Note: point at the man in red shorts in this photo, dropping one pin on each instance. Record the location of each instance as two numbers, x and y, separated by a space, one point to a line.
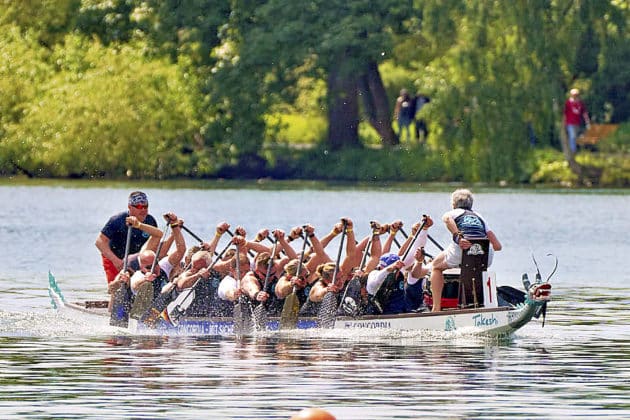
113 237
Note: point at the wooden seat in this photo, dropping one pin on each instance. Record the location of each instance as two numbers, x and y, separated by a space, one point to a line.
596 133
474 263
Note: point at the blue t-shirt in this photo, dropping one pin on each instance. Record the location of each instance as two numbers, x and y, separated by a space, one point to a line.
116 230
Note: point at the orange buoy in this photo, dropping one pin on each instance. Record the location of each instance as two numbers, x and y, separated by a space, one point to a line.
313 414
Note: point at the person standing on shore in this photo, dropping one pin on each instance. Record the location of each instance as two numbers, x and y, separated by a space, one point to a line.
404 112
112 238
575 113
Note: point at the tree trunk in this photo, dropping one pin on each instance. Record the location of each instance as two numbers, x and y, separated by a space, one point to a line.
343 109
376 104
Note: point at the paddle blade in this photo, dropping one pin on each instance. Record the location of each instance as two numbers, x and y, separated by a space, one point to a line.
349 305
260 317
242 318
177 308
290 310
121 305
327 311
151 316
142 301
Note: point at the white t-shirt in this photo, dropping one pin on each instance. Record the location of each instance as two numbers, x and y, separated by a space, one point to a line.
228 284
164 264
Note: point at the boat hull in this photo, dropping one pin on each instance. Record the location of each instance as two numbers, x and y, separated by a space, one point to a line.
495 322
483 321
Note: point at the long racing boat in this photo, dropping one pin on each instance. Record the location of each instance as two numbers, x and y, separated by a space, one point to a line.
511 310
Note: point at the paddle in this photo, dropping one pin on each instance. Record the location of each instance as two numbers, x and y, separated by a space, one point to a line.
177 309
151 316
328 308
440 247
249 251
121 300
191 233
413 240
242 317
291 307
391 277
145 294
349 304
429 236
260 311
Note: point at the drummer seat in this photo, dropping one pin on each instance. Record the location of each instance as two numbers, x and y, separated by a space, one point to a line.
474 263
463 286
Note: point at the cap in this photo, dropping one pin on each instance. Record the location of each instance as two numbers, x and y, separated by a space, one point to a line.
138 197
574 92
388 259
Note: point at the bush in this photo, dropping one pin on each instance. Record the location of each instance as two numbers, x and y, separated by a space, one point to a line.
370 165
617 142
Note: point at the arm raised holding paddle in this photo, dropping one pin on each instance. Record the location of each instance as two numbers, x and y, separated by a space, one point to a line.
211 246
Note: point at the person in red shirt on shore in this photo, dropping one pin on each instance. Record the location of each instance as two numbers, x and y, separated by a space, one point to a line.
574 112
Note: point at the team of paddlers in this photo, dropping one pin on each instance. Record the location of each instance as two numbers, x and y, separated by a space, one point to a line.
156 275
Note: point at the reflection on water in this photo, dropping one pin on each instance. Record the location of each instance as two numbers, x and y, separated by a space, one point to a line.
76 367
579 364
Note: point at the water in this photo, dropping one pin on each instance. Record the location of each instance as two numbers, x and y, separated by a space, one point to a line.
578 365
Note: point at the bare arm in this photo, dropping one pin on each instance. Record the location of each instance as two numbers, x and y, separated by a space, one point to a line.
250 285
102 244
329 237
283 244
155 234
318 291
212 245
375 254
188 278
494 241
180 246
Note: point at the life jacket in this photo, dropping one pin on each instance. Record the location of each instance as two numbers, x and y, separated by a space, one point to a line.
207 301
308 307
353 303
159 282
273 305
390 297
471 225
302 294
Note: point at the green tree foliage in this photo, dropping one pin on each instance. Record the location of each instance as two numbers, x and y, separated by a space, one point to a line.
268 47
23 69
97 87
105 111
49 19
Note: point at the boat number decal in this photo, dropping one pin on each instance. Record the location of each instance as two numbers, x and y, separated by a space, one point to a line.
481 321
368 324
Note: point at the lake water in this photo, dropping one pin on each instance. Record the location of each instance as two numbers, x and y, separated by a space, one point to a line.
578 365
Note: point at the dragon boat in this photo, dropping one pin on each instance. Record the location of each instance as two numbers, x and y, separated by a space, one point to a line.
504 310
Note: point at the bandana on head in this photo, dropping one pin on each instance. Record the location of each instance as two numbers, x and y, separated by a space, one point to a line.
138 197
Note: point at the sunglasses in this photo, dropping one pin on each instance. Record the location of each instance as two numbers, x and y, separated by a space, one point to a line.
140 206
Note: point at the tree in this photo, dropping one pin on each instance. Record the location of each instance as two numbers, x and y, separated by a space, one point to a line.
106 111
339 41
